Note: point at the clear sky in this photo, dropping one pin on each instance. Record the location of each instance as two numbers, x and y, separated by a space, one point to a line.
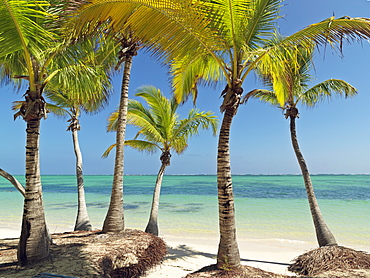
334 136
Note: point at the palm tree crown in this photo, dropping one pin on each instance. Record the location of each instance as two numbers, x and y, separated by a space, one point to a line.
297 83
159 124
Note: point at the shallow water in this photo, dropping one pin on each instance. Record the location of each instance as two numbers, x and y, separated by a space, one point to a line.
268 207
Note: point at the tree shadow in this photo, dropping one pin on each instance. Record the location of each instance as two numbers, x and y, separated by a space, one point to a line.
183 251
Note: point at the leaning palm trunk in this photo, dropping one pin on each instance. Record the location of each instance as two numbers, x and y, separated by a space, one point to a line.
152 226
323 234
228 252
114 220
13 181
34 241
82 220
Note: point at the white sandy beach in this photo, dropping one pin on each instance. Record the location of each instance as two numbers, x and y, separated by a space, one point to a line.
188 254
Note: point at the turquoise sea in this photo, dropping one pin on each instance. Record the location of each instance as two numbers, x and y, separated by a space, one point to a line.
267 206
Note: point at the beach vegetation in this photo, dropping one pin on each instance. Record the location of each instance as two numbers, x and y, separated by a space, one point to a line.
25 56
127 22
36 57
160 129
98 57
301 93
85 23
129 46
220 41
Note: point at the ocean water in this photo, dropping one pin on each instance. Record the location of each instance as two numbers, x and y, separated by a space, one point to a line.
267 206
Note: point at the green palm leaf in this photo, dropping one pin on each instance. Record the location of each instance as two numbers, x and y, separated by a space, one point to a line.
158 123
20 29
178 23
141 145
193 70
333 31
325 90
263 95
296 82
107 151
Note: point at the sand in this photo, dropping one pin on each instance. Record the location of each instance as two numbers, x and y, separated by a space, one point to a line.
187 254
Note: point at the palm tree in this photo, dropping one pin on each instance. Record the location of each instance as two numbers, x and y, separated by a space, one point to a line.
160 128
214 41
129 46
99 58
34 50
246 30
300 93
22 55
72 108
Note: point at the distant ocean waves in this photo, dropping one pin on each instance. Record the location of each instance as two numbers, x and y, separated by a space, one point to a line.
267 206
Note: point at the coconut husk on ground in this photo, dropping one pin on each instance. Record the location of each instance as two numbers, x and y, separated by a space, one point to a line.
89 254
243 272
332 260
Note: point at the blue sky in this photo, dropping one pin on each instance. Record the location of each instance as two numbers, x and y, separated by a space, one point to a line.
334 136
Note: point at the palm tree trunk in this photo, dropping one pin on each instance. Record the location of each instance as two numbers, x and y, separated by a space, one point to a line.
82 219
152 226
323 234
114 220
34 241
228 252
13 181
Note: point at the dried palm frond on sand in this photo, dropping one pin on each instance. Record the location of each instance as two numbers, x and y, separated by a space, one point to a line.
329 258
89 255
243 272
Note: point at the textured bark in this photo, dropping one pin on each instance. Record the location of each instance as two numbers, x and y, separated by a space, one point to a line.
228 256
34 241
82 219
114 220
152 226
323 234
13 181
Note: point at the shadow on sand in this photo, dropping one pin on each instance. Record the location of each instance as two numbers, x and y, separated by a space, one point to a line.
183 251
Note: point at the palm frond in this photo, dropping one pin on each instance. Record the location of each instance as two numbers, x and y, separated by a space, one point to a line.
107 151
142 145
260 24
179 26
326 90
112 121
263 95
143 118
20 30
161 110
193 70
333 31
283 68
57 110
159 105
190 126
228 17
